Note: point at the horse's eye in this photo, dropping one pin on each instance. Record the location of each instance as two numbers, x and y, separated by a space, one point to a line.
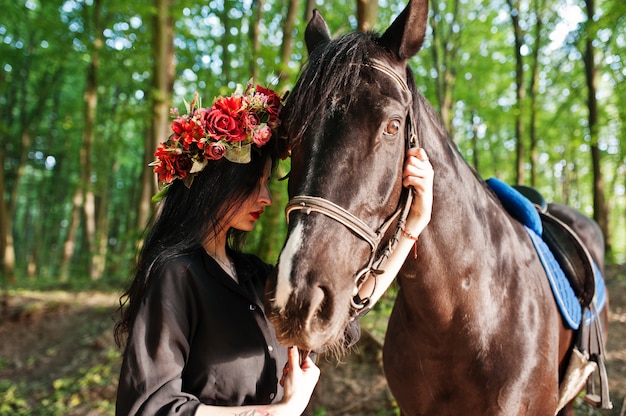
392 128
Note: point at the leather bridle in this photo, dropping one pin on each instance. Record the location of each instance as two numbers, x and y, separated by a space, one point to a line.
308 204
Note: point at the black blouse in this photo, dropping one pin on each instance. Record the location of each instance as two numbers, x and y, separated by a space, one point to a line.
200 337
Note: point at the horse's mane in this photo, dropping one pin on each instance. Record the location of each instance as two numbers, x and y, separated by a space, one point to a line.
333 67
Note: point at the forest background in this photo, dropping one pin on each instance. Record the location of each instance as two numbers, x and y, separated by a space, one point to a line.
531 91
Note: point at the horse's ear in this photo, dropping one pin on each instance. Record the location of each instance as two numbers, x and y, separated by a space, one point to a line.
406 34
316 32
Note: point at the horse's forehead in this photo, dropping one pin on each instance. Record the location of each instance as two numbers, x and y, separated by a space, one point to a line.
382 78
361 109
370 98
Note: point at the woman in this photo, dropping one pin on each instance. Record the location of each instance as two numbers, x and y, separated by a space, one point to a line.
198 339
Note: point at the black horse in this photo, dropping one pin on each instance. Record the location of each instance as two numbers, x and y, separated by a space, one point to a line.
475 329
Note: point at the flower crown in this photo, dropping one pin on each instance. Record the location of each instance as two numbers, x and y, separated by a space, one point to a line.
229 129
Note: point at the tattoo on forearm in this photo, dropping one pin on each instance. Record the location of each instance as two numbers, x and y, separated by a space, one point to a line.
255 412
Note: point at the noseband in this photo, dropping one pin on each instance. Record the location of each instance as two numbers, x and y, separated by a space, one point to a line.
308 204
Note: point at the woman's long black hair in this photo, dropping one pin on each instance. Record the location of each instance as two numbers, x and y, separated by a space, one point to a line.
187 217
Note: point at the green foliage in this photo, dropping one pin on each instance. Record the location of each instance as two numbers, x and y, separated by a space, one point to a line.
321 411
47 47
76 283
375 322
73 366
11 402
78 391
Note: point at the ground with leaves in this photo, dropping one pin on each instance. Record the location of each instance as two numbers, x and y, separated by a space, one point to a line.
57 356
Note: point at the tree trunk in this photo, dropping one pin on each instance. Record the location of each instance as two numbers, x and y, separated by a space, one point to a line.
273 226
84 200
102 225
600 213
367 14
148 183
8 253
91 105
308 10
26 143
162 86
163 81
444 51
287 46
534 93
6 235
255 45
475 158
72 232
225 43
519 90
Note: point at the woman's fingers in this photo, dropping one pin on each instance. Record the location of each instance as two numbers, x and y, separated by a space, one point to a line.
293 363
418 171
299 380
418 153
418 174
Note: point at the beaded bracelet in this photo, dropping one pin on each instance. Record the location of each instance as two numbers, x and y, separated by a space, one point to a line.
411 237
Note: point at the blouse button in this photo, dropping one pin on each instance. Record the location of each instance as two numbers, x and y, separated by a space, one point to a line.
252 307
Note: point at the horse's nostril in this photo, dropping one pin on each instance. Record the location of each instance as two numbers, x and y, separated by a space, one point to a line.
320 304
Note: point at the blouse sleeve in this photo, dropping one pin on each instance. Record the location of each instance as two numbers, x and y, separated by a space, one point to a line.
155 356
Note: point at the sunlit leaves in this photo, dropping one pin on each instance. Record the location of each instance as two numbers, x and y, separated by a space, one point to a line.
46 45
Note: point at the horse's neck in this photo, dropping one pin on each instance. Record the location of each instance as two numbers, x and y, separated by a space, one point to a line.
460 206
455 256
460 240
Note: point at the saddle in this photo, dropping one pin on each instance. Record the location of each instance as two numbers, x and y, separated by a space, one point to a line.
529 207
567 248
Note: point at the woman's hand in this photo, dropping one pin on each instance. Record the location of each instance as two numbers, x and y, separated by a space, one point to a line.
418 174
299 381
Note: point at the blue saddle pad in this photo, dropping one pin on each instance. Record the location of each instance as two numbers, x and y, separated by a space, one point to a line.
561 289
517 205
520 208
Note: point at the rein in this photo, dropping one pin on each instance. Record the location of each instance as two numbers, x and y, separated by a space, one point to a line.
308 204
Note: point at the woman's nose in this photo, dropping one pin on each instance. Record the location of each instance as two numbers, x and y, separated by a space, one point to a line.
265 197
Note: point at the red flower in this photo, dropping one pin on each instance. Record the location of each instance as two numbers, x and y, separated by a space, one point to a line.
273 100
164 169
187 131
251 120
215 151
182 165
221 125
183 125
161 151
179 125
261 136
171 163
232 123
230 105
272 105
